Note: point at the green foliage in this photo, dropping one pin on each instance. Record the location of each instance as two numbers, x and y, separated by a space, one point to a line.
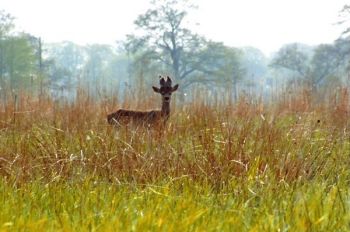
93 67
292 57
254 62
315 65
66 55
165 41
326 60
6 24
22 60
323 63
220 65
98 59
18 63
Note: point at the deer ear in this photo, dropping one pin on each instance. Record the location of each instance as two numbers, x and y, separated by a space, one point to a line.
175 88
155 89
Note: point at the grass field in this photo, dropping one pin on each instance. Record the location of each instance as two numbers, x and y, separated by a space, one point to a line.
216 167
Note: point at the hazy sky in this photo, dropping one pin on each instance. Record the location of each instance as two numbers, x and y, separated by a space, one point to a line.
265 24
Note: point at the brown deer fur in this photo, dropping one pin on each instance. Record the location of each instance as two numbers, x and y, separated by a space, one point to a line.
122 116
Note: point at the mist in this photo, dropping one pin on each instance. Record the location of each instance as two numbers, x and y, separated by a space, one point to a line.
166 38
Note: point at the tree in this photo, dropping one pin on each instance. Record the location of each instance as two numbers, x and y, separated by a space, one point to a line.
6 24
316 65
219 64
293 58
68 56
254 62
325 61
98 58
344 40
19 61
345 15
17 56
165 40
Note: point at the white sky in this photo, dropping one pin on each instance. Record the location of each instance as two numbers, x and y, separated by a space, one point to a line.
265 24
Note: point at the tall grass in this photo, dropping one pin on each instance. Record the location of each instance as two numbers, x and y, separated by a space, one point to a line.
216 166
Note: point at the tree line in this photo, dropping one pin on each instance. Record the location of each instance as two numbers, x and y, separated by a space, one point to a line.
162 44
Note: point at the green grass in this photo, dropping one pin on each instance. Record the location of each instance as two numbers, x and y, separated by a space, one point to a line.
231 168
251 205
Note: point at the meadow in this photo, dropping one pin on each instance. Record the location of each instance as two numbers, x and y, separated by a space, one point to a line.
216 166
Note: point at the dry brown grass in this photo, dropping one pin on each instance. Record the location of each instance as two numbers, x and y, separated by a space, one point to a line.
206 142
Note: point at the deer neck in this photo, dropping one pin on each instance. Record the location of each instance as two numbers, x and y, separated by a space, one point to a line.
165 109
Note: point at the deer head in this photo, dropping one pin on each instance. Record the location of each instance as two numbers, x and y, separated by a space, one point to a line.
166 88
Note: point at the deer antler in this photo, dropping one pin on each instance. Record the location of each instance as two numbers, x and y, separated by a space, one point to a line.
169 81
161 81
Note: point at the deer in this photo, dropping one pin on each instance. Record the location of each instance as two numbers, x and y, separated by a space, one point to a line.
147 118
